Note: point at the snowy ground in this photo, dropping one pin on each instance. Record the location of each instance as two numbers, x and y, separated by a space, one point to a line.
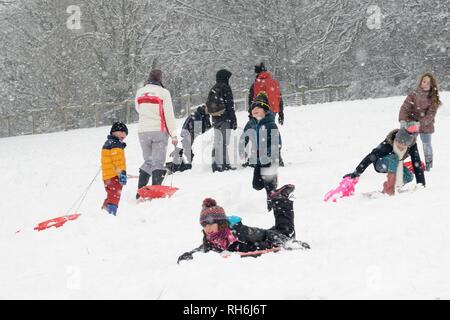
361 248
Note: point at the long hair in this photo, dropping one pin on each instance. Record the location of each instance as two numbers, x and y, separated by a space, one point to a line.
434 90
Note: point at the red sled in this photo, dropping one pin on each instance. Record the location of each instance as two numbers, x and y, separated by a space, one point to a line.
56 222
156 192
410 167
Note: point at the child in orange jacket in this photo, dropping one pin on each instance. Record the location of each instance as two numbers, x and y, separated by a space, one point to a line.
114 166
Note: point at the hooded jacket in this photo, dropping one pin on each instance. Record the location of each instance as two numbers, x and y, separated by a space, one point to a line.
261 135
113 158
222 84
419 106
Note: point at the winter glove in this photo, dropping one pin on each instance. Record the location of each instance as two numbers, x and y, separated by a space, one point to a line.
185 256
281 118
233 124
123 178
410 126
352 175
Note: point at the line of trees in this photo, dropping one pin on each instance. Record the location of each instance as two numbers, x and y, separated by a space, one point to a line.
65 52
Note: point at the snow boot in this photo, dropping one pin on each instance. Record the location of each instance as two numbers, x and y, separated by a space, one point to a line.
112 209
283 192
389 185
158 177
216 168
428 163
144 178
227 167
270 186
283 210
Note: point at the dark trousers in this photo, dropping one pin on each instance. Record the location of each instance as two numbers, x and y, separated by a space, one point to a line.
283 210
113 191
265 178
222 133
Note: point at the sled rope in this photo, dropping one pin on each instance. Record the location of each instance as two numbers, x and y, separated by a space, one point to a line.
82 197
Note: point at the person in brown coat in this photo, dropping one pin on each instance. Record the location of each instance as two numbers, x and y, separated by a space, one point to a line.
421 105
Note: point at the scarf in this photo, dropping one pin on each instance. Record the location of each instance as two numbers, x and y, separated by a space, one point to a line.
222 239
399 175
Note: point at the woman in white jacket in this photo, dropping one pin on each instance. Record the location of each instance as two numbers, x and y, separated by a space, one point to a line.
156 125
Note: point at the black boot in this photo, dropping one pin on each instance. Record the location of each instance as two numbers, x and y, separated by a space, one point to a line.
284 192
216 167
144 177
270 187
158 177
227 167
283 210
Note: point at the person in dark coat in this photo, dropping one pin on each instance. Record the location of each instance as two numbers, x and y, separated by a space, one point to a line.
222 233
196 124
265 82
388 157
263 134
220 105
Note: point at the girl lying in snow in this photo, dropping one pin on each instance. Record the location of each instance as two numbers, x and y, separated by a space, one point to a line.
388 158
228 234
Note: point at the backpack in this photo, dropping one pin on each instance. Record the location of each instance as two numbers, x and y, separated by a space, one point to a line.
266 83
215 105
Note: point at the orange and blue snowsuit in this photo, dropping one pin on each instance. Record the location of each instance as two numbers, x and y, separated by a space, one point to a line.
113 163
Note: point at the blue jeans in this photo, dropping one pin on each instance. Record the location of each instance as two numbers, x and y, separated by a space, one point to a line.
389 164
427 147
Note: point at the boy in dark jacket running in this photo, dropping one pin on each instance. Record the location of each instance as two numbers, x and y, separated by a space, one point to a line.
222 233
196 124
388 157
262 131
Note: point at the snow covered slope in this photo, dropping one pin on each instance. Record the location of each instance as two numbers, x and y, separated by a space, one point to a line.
361 248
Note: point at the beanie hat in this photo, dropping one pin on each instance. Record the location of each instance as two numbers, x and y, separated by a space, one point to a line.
119 126
260 68
223 75
405 138
155 75
211 213
261 101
